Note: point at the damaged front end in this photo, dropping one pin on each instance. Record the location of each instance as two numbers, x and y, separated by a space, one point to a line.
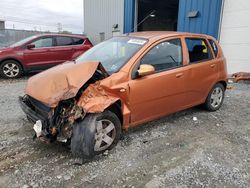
51 124
54 109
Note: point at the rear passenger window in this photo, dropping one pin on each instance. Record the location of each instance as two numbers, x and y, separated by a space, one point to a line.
78 41
198 50
214 47
165 55
64 41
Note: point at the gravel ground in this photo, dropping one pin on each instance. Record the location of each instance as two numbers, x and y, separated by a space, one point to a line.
175 151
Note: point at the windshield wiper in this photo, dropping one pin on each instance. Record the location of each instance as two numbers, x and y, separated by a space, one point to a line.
171 58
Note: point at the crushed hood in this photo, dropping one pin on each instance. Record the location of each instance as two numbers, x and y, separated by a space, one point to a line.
61 82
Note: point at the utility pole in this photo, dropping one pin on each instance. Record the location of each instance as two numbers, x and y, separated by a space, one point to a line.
59 27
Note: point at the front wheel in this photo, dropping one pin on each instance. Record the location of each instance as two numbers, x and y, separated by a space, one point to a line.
10 69
215 97
95 134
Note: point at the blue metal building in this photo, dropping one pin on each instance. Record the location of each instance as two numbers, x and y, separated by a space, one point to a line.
198 16
226 20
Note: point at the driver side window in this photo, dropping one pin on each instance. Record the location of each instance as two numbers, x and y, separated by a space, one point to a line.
44 42
166 55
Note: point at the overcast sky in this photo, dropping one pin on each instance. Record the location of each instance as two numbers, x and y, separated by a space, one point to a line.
43 14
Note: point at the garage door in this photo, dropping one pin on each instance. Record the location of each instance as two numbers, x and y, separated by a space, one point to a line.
235 35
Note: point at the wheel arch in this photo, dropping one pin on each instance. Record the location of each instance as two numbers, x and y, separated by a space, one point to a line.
13 59
116 108
224 83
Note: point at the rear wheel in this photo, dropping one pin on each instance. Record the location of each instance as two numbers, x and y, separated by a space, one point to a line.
10 69
95 134
215 97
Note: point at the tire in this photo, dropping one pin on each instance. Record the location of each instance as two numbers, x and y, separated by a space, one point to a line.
10 69
215 98
95 134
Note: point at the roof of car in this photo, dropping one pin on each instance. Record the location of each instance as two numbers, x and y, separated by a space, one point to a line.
61 35
153 34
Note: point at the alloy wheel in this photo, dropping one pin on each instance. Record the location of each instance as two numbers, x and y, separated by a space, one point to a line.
11 70
216 97
105 134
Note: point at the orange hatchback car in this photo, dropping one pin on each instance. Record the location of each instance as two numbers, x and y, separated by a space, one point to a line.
121 83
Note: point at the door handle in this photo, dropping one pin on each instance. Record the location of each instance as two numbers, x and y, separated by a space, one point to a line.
179 75
212 66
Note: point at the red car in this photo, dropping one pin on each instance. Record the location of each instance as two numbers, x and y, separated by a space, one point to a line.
40 52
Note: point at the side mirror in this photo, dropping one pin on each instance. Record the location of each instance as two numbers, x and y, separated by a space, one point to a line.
145 70
30 46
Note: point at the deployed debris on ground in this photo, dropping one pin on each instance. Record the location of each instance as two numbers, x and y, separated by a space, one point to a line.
241 76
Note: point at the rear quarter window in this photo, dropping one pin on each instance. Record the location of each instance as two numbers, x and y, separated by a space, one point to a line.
78 41
214 47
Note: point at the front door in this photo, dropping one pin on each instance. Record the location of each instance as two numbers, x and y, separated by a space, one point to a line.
41 55
164 91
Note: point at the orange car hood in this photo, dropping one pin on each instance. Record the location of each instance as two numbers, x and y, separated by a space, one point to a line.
61 82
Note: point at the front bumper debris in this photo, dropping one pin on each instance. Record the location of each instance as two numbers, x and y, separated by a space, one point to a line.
38 113
34 109
241 76
31 114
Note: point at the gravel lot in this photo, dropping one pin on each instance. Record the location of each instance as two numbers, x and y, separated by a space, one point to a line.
175 151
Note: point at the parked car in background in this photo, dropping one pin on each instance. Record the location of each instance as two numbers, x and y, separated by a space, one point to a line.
40 52
124 82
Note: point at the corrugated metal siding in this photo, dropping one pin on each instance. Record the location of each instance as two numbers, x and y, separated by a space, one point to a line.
129 15
100 16
208 20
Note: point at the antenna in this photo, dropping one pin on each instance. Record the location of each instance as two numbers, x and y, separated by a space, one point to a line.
151 14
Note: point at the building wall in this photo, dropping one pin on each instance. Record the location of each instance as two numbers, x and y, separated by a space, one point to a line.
207 20
2 25
100 17
235 35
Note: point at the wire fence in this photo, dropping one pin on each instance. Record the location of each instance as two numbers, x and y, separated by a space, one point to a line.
10 36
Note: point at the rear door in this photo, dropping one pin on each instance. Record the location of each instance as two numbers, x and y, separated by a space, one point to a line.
203 70
41 55
63 50
164 91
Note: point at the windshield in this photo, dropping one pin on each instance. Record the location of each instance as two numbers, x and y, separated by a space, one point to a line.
23 41
113 53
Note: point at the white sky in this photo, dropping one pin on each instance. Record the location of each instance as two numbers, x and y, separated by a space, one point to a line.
43 14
